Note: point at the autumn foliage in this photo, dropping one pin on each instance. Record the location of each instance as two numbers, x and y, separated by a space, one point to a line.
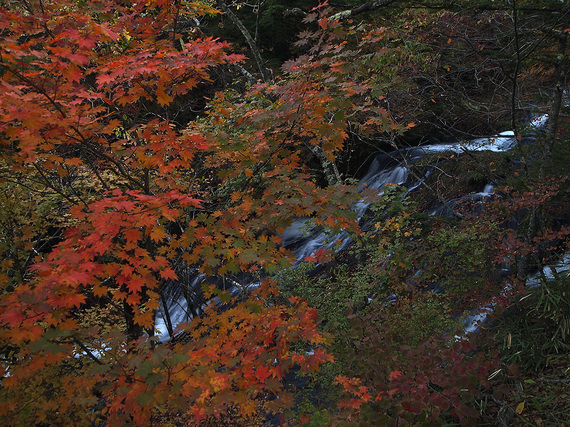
88 95
113 188
84 119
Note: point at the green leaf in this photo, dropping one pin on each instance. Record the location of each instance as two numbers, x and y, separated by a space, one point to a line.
225 297
179 358
145 368
153 379
145 398
338 116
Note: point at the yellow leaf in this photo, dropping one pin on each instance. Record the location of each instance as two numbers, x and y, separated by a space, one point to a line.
157 234
162 97
100 291
152 304
520 408
6 264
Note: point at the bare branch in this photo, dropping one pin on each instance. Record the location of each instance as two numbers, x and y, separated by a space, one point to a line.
265 73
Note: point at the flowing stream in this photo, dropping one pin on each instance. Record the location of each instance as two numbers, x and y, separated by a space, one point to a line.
304 240
390 168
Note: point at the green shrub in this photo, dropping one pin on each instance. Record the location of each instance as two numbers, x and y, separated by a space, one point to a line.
537 328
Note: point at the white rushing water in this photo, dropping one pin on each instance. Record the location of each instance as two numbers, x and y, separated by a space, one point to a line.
304 239
547 272
387 169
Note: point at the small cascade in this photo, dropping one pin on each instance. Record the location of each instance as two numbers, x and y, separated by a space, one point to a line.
475 200
478 317
539 121
505 141
390 168
303 238
176 300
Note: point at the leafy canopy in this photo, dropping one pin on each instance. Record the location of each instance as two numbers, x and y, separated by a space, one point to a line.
88 95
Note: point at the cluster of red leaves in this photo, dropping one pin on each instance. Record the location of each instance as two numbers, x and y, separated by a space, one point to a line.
509 245
72 75
429 383
434 379
233 357
112 229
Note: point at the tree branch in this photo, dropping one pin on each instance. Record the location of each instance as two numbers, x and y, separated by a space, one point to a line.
87 351
265 74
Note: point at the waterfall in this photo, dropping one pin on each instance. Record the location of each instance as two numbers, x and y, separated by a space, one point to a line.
304 239
389 168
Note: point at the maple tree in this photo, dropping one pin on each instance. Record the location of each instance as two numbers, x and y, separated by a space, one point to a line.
110 196
85 92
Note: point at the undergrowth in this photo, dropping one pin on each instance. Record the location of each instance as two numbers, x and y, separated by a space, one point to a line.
395 304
